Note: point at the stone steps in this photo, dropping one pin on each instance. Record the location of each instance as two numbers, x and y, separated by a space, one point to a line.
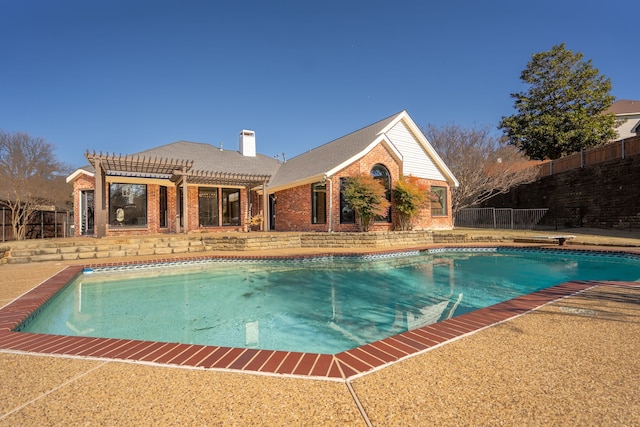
89 248
95 249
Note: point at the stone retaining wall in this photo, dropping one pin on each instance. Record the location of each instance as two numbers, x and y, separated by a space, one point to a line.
84 249
598 196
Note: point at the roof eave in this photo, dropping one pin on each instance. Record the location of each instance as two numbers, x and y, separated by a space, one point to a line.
77 173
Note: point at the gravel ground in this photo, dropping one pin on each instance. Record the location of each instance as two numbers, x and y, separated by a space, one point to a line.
573 362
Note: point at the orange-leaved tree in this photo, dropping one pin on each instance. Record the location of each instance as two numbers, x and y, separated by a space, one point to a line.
409 196
367 197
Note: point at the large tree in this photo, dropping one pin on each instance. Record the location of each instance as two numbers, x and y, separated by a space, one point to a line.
563 110
30 178
484 165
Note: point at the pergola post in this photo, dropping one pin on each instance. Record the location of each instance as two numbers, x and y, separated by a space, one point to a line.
185 204
265 207
178 201
100 214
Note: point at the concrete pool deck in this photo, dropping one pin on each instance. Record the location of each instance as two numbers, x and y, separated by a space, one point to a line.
570 362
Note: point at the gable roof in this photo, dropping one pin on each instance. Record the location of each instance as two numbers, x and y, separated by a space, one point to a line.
203 164
329 158
319 161
206 164
624 107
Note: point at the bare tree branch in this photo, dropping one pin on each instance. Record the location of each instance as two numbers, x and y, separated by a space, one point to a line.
30 178
484 165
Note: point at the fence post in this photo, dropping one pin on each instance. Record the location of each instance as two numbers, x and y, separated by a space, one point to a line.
493 210
623 149
42 224
581 159
550 167
3 223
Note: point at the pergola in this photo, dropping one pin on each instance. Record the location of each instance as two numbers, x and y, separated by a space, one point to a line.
177 171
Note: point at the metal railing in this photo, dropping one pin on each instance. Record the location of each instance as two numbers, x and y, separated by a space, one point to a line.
503 218
42 224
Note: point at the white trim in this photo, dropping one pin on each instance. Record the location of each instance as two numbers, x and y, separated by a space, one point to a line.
77 173
419 136
382 139
293 184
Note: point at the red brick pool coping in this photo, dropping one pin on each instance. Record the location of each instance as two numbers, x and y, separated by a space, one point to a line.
341 366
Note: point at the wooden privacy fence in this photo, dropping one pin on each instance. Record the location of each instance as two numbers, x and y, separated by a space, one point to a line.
616 150
503 218
43 224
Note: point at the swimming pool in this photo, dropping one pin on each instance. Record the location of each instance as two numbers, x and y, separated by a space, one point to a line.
324 304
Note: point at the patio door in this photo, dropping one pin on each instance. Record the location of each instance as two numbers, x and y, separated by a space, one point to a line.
272 212
86 213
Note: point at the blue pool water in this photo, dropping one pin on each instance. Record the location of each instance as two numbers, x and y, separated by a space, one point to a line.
323 305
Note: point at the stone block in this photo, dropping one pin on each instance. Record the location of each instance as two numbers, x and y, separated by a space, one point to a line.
145 251
21 253
163 251
86 255
47 251
179 244
19 260
68 250
46 257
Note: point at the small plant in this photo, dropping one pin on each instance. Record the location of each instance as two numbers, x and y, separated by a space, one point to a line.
367 197
409 197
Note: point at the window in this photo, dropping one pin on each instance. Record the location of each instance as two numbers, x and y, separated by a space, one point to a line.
208 207
382 173
127 205
318 203
162 208
438 201
230 206
347 215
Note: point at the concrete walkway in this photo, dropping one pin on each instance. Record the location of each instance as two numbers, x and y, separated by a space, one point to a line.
573 362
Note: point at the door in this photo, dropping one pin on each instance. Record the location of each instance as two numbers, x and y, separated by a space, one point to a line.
86 212
272 212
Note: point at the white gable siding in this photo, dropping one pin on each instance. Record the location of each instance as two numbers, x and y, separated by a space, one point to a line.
624 130
415 160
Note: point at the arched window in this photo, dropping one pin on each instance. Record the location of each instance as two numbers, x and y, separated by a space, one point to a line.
382 173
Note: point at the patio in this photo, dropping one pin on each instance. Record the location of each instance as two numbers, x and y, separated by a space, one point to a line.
571 362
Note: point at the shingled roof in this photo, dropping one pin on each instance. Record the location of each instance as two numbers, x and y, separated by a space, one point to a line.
207 158
212 165
320 160
624 106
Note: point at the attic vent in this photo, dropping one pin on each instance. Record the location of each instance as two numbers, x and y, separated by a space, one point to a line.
247 143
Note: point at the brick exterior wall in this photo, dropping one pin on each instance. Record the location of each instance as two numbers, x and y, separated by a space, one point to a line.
424 220
293 210
293 206
600 196
83 182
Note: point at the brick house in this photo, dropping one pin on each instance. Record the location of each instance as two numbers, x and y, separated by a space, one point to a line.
193 187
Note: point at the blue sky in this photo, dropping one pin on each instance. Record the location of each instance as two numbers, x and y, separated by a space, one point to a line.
125 76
